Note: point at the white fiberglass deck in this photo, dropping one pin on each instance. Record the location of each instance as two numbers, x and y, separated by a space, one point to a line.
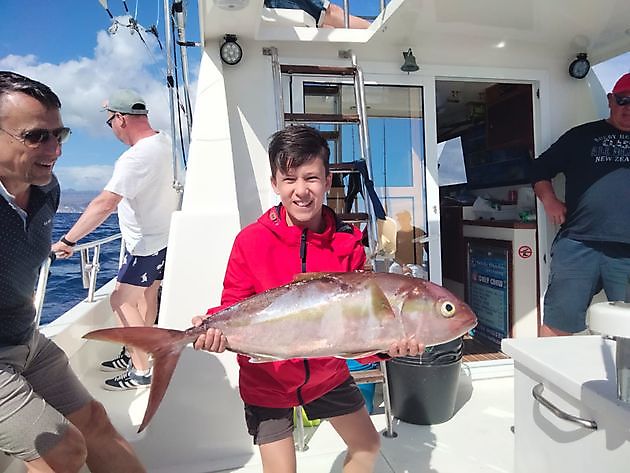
477 439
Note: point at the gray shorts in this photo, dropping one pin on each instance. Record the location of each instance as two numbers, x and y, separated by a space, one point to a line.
578 271
270 424
37 390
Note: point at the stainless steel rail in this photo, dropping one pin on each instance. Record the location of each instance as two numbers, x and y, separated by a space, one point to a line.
90 253
346 11
537 393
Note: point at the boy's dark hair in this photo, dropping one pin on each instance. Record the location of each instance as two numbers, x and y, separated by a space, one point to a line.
13 82
296 145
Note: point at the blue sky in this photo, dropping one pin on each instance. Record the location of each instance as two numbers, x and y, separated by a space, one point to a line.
65 44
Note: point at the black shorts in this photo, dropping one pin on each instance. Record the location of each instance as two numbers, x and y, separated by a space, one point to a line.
270 424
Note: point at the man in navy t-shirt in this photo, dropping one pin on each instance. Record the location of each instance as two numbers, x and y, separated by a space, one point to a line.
592 248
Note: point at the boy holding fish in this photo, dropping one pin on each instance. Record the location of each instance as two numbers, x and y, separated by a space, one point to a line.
299 235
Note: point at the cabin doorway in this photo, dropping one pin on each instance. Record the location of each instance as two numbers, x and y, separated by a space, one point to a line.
397 155
485 136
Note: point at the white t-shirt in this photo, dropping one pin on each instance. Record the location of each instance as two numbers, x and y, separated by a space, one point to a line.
143 176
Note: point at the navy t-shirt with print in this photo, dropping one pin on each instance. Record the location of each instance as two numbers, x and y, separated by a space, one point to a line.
24 246
595 159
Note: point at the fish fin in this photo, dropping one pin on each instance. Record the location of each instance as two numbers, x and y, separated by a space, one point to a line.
379 300
301 277
352 356
165 345
261 358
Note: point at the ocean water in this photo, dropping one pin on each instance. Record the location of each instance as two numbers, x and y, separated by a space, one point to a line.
65 287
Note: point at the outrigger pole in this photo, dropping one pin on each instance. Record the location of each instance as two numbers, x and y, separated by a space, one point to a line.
170 83
180 21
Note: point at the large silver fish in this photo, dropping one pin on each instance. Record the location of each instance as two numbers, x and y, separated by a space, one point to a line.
348 315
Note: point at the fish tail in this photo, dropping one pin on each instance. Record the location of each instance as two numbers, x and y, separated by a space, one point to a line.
165 345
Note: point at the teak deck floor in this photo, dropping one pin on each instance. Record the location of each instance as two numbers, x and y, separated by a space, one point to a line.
476 350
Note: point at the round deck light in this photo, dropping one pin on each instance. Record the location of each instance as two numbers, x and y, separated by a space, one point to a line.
580 67
231 52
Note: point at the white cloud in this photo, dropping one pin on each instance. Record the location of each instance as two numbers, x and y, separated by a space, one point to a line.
120 60
83 178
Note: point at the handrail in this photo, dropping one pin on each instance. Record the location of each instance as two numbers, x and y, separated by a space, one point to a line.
346 12
89 270
40 292
99 242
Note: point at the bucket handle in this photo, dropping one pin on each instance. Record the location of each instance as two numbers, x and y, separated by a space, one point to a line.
537 393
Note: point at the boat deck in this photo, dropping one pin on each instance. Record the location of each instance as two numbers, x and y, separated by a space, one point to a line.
476 439
476 350
484 412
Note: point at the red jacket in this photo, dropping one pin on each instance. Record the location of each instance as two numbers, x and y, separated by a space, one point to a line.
268 254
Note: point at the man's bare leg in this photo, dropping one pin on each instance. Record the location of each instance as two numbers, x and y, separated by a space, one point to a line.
547 331
125 301
333 18
149 304
68 456
107 450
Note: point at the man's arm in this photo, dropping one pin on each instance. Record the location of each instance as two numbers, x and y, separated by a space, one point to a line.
97 211
556 209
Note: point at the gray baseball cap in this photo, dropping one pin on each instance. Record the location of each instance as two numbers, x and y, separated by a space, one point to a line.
126 101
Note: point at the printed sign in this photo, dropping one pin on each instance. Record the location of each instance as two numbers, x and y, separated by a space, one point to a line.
525 251
488 291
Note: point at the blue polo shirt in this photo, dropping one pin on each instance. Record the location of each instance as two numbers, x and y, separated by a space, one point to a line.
25 239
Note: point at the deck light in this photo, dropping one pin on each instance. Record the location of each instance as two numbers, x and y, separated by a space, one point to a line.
410 62
231 4
231 52
580 67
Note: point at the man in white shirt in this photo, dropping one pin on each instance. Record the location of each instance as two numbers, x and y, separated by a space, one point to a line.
141 188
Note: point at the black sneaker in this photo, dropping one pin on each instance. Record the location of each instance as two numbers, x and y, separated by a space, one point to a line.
127 380
120 363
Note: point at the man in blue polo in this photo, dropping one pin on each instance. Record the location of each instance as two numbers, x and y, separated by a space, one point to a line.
47 418
141 188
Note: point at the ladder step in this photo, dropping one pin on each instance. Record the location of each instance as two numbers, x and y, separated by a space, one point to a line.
320 118
354 217
343 168
367 376
317 70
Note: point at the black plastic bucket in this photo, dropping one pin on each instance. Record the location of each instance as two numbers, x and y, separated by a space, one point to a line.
423 388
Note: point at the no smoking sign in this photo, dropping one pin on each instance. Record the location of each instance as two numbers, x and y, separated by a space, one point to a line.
525 251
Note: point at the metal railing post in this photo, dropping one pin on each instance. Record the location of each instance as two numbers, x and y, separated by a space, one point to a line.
346 13
40 292
277 85
94 268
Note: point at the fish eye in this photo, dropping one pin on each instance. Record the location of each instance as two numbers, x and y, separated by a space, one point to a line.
447 309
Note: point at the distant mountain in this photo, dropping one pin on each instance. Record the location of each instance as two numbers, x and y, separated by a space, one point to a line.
75 201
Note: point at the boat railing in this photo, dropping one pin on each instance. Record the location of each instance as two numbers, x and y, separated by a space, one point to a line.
346 12
90 253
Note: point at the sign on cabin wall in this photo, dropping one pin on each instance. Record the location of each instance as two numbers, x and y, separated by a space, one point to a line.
488 287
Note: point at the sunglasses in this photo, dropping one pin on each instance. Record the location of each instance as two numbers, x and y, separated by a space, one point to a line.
38 136
622 100
109 120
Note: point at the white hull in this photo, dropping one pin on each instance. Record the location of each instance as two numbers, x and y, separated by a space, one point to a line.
199 426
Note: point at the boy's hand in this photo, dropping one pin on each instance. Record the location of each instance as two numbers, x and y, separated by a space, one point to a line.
212 340
405 347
